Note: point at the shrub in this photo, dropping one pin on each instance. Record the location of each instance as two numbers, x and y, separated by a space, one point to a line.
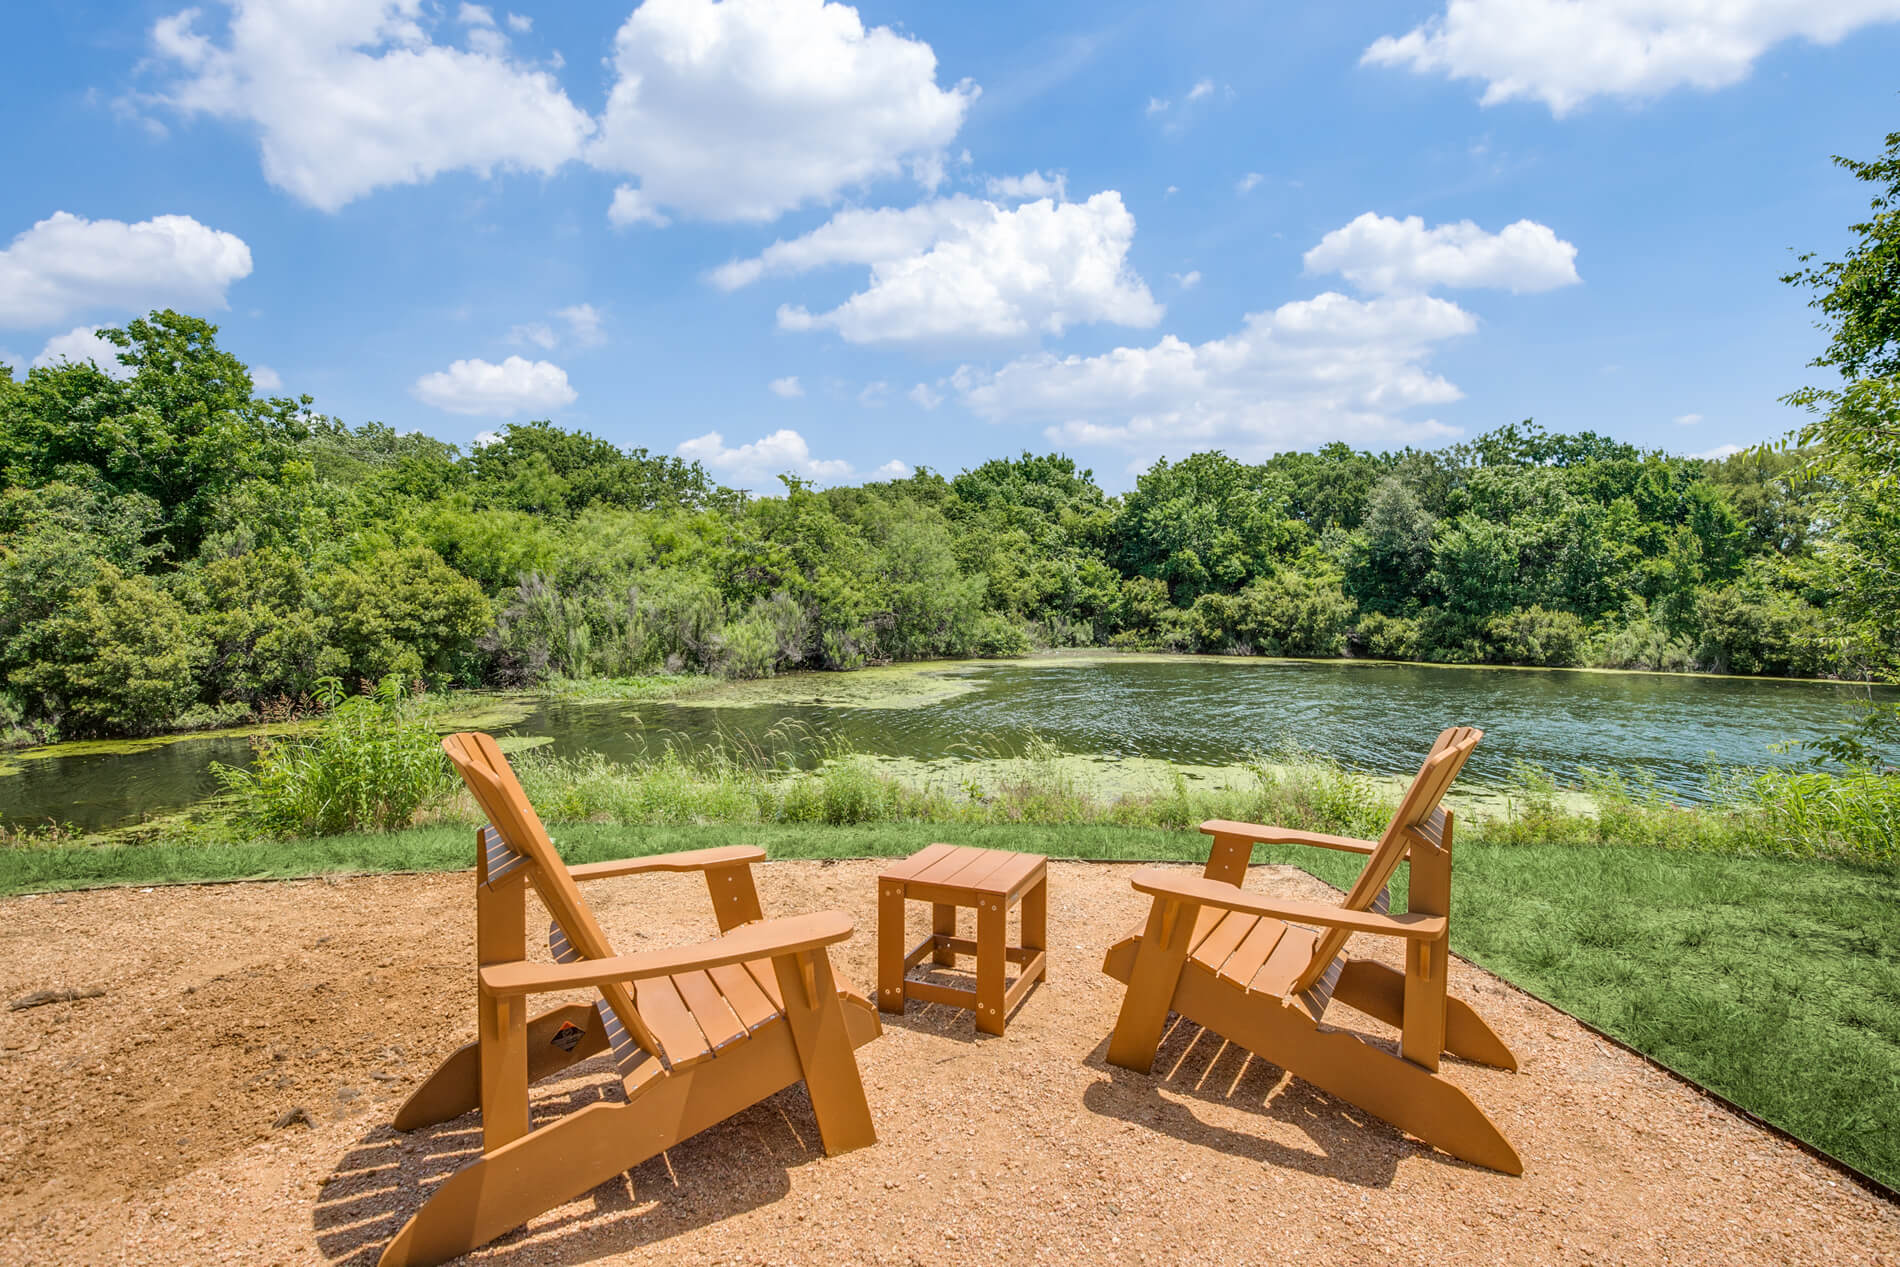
118 657
404 612
997 637
1640 644
372 763
1384 637
1450 637
1536 635
1746 630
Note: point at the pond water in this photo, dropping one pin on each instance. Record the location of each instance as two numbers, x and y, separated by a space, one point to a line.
1191 710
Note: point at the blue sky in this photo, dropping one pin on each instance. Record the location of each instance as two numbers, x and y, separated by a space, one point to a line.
785 235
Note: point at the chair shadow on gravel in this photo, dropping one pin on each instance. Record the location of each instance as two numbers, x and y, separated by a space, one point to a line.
1351 1145
741 1164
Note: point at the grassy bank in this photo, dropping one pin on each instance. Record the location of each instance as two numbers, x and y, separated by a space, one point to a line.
1772 981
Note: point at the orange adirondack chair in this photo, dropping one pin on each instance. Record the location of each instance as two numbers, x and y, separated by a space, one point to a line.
698 1033
1239 964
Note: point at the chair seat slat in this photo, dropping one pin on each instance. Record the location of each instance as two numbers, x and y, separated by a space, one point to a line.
710 1012
743 995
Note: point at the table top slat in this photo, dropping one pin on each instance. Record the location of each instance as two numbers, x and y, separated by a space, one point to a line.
947 865
1014 873
973 873
909 867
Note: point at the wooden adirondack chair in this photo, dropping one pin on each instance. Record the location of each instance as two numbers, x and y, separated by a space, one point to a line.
1239 964
698 1033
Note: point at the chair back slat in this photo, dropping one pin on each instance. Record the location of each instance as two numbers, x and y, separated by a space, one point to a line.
483 767
1418 816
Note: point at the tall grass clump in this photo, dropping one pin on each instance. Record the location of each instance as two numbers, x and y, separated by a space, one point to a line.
1817 813
372 763
740 784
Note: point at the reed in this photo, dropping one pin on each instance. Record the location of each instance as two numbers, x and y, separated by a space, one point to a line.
372 762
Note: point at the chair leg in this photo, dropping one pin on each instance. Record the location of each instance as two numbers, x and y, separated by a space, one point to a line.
455 1087
1385 1085
1379 991
825 1052
1151 985
585 1148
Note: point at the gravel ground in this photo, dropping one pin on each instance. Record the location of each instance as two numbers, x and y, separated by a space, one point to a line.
138 1125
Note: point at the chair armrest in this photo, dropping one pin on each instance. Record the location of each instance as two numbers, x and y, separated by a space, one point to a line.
690 860
1286 836
1205 892
764 940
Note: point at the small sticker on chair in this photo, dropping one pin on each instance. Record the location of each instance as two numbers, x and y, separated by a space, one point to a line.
568 1037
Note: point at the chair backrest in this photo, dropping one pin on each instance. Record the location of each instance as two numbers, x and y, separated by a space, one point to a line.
483 767
1418 814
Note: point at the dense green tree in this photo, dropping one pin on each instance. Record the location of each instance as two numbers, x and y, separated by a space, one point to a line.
183 429
272 546
541 469
117 657
1395 548
1855 434
256 617
1204 524
401 611
1858 296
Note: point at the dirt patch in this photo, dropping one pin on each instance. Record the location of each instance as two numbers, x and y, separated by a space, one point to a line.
142 1125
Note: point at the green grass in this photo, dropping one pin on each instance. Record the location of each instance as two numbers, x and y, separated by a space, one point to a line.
1773 981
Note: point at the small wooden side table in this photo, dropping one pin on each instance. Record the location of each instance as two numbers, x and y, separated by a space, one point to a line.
949 876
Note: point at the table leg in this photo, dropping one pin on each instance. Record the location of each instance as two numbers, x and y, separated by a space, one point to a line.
890 946
992 912
943 921
1036 922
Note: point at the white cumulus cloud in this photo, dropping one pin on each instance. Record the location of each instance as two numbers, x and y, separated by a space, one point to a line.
746 109
78 346
515 386
1566 52
1305 373
786 388
356 95
1386 255
539 333
1028 185
757 465
859 236
895 470
586 326
1188 280
266 379
583 326
963 268
1688 420
925 396
1719 452
67 264
1247 183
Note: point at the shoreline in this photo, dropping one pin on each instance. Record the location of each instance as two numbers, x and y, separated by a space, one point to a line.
465 705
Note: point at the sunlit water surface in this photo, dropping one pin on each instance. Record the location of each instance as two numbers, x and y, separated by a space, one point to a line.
1200 711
